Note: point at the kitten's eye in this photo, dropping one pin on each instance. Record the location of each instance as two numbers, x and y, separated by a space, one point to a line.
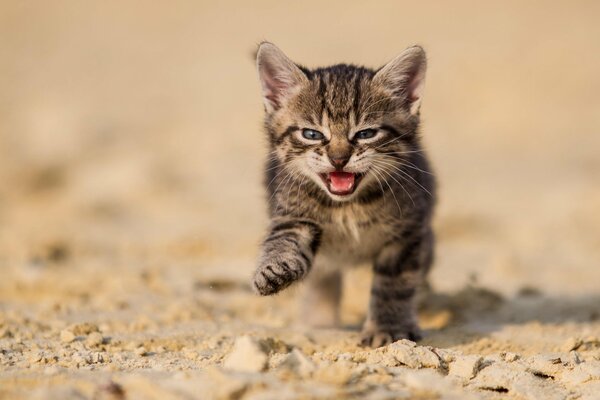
366 134
311 134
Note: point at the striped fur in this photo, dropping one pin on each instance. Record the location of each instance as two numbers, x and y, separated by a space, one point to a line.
386 221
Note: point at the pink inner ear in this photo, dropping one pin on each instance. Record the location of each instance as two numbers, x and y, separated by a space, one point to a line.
414 92
273 88
414 86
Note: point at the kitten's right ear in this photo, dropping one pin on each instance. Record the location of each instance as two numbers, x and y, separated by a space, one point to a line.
404 77
279 76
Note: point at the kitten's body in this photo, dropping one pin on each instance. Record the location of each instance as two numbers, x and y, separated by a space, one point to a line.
347 197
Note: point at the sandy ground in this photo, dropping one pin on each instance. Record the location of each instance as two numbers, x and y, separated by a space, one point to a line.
131 205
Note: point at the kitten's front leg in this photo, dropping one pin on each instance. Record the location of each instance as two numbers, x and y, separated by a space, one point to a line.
398 271
287 254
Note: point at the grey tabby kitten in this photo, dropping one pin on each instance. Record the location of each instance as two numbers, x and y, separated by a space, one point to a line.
348 183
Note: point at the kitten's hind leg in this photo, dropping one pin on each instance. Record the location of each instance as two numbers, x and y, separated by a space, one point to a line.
398 272
321 299
287 254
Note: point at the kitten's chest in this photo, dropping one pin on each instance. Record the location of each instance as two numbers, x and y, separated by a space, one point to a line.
353 236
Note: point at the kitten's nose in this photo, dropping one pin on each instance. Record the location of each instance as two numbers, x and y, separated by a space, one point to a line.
339 161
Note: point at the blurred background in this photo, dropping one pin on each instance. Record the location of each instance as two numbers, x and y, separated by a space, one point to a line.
131 199
130 133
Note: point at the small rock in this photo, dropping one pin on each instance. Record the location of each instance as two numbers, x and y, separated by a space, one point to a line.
509 357
94 339
512 378
227 386
545 365
446 355
247 356
299 363
466 367
66 336
574 358
110 390
407 353
35 357
571 343
427 383
5 333
337 373
84 329
141 351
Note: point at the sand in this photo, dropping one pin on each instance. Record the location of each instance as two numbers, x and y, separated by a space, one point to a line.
131 207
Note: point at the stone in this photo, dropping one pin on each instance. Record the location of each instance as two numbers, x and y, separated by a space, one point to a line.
407 353
498 376
227 386
299 363
84 329
246 356
336 373
466 367
94 339
66 336
509 357
141 351
574 358
571 343
514 379
545 365
426 383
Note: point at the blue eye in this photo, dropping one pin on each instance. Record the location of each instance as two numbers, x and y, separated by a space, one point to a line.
366 134
311 134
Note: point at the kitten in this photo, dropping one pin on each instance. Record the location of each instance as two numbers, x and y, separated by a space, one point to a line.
348 183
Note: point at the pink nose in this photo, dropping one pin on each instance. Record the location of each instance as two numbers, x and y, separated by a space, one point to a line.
339 162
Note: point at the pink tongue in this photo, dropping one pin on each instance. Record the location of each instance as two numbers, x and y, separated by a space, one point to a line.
341 181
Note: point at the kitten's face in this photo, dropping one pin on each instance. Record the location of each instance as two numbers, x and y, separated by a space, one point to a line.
345 128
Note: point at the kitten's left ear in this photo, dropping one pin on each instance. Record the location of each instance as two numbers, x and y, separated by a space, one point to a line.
404 77
279 76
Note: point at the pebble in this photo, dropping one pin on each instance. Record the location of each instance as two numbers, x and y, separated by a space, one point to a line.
66 336
84 329
574 358
545 364
226 386
246 356
428 383
141 351
337 373
94 339
407 353
466 367
571 343
299 363
509 357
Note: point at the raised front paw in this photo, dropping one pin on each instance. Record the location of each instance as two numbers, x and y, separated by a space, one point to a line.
271 277
378 337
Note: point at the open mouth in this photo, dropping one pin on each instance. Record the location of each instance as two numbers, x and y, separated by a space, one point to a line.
341 183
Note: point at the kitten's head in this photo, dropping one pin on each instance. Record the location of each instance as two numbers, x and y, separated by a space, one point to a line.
344 127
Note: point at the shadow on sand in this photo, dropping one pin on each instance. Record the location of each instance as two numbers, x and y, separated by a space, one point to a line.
475 312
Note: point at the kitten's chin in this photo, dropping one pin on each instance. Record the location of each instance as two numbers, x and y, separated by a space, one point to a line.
341 185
